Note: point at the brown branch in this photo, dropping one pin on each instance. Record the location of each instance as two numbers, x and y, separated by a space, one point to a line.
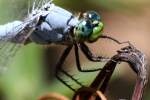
96 90
138 64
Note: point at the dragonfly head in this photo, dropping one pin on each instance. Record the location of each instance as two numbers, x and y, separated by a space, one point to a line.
89 27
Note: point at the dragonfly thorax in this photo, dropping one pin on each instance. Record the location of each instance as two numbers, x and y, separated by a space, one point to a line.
54 26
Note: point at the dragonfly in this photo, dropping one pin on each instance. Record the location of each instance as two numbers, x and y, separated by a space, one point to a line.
47 24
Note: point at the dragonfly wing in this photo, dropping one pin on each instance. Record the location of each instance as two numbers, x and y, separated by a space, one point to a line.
7 51
15 34
11 40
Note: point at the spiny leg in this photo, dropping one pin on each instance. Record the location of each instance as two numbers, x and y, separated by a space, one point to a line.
59 65
64 82
85 49
78 62
76 80
59 68
115 40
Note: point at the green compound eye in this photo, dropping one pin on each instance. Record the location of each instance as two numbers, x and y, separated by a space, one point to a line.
83 30
86 31
97 32
96 23
90 27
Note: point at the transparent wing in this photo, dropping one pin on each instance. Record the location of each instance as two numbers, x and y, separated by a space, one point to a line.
11 40
14 35
7 51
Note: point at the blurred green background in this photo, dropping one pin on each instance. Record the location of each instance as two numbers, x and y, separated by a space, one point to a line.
30 73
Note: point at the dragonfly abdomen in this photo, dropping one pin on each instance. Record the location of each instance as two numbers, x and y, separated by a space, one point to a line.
9 30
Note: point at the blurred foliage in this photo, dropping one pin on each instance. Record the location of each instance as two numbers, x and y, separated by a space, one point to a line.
109 5
24 79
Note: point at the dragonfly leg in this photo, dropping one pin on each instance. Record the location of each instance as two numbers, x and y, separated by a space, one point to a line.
76 80
115 40
92 57
59 65
59 68
78 62
64 82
